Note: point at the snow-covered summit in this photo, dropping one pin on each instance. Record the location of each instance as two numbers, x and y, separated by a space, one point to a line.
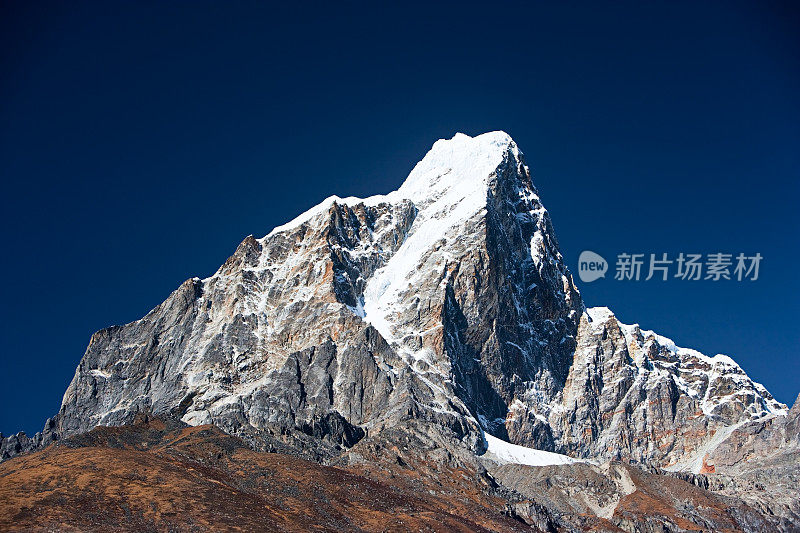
453 170
448 187
457 167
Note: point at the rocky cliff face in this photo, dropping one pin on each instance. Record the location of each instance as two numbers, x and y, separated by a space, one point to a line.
633 395
447 302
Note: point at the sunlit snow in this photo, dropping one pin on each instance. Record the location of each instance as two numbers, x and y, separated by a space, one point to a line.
503 452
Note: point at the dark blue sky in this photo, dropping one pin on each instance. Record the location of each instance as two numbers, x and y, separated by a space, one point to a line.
140 143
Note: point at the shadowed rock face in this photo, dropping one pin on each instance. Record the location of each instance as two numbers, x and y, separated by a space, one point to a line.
445 303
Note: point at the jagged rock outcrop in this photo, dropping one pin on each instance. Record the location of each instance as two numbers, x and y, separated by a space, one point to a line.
633 395
446 302
760 462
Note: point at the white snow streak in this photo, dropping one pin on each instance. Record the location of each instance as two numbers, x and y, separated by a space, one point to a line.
503 452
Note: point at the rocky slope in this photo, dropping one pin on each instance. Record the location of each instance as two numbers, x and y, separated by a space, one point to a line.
445 304
161 475
157 475
760 461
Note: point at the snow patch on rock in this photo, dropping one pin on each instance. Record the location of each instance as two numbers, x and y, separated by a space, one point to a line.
503 452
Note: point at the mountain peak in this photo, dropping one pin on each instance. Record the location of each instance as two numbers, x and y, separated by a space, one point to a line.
453 171
446 300
461 164
426 317
497 138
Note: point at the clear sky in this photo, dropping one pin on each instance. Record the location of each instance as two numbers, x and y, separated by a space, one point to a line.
139 143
